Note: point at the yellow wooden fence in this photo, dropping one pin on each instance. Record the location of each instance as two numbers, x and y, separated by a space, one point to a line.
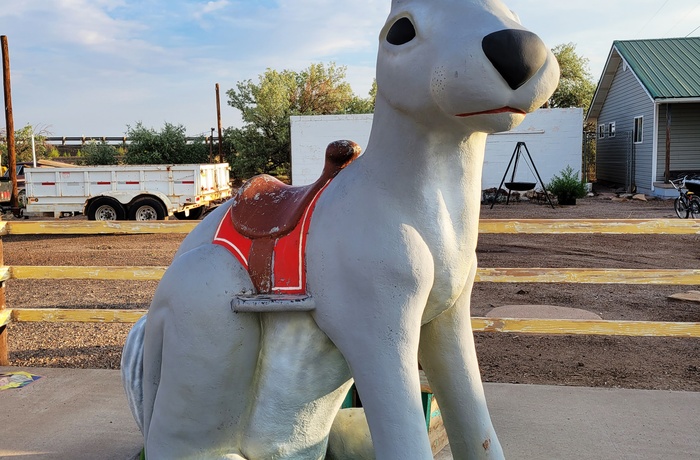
497 275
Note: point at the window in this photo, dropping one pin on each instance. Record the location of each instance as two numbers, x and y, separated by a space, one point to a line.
638 130
611 129
601 131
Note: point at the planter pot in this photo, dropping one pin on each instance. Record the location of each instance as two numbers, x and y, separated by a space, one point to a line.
566 200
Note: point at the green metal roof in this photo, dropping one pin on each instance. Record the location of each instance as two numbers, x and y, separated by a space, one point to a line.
668 67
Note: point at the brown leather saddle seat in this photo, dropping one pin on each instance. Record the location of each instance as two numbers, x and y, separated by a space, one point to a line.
265 207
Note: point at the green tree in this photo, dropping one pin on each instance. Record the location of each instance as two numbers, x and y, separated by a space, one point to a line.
262 145
101 153
169 146
576 87
363 105
23 145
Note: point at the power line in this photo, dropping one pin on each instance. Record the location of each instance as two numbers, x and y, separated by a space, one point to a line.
683 18
652 18
698 27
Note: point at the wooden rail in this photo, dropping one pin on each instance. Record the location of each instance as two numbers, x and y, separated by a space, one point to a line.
512 325
492 275
492 226
483 275
595 226
79 227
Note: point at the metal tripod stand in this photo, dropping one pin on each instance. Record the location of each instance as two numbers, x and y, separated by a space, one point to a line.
512 184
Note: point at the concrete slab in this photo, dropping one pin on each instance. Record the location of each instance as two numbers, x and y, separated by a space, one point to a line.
551 422
82 414
690 296
68 414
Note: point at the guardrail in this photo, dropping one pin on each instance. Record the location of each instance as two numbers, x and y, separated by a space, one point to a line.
498 275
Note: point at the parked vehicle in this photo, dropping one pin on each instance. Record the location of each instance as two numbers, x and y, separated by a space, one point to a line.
6 187
133 192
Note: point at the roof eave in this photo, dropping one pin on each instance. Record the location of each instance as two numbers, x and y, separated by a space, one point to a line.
677 100
604 84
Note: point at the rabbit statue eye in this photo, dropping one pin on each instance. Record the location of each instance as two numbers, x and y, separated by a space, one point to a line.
401 32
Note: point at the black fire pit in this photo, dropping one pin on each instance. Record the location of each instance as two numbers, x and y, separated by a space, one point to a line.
522 186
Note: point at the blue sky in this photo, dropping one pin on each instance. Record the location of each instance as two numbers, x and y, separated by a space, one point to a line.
92 67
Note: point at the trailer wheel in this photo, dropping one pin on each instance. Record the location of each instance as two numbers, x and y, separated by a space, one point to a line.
22 198
146 208
105 208
195 213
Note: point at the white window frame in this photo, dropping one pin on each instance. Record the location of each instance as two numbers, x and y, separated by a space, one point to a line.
638 131
611 129
601 131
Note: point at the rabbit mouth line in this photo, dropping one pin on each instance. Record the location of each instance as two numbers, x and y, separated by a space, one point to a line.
493 111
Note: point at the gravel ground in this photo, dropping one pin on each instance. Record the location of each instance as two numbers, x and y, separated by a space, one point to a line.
651 363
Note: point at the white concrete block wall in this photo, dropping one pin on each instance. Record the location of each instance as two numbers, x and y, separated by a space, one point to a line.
553 137
312 133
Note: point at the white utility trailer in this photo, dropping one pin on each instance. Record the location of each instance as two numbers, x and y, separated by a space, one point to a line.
133 192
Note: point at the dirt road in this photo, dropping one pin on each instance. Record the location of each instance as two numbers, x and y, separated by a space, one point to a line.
658 363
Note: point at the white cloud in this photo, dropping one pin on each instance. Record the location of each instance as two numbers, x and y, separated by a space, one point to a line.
210 7
207 9
93 66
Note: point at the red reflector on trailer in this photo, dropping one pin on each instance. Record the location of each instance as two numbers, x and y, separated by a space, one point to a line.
132 182
188 182
103 182
48 183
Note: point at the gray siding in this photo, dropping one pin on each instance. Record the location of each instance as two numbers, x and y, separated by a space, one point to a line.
685 139
626 100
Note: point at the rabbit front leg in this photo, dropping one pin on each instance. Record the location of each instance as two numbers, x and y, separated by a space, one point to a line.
384 365
448 357
371 308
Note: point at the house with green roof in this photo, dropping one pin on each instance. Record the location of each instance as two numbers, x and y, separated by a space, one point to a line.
647 112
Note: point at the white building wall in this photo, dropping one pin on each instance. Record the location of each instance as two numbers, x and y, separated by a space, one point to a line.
312 133
553 137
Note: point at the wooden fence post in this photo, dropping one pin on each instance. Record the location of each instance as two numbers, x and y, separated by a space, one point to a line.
4 351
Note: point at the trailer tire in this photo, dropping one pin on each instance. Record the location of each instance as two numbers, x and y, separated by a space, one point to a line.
146 208
22 199
105 208
195 214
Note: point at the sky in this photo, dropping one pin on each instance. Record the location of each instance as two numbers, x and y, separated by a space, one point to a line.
94 67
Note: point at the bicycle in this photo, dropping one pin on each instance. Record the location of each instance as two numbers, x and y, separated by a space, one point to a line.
687 204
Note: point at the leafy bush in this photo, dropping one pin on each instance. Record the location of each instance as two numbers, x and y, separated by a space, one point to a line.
23 144
567 185
169 146
250 153
101 153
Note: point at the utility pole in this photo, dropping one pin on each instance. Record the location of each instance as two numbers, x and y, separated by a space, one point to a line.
211 145
9 124
218 121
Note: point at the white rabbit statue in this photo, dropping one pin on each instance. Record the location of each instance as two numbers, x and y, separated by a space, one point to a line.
239 360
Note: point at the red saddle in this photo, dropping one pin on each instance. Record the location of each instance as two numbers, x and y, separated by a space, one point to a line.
265 210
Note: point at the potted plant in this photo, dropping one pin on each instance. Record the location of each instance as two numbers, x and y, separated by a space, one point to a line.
567 186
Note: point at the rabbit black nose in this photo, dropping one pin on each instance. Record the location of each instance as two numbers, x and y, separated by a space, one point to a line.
516 54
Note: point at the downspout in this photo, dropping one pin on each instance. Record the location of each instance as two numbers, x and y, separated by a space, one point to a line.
655 147
667 173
